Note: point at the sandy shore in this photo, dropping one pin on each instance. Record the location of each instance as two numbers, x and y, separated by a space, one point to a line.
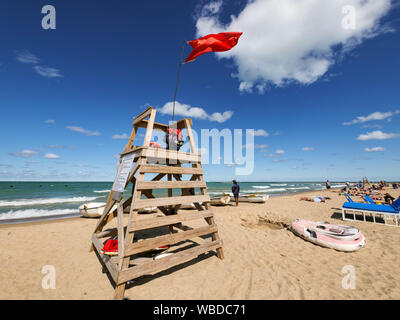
263 260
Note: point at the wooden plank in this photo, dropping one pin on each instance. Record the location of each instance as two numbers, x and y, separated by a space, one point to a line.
156 126
155 266
170 170
121 239
157 202
112 267
107 233
168 239
163 127
142 116
149 128
175 156
152 223
190 136
170 184
137 150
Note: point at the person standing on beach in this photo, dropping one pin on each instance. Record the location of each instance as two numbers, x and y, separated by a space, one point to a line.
235 191
328 184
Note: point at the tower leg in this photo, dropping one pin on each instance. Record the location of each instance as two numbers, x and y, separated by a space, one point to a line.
119 291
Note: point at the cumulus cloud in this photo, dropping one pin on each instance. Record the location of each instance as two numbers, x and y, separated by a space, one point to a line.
285 41
50 121
280 151
120 136
377 135
23 153
186 110
375 149
307 149
81 130
371 117
51 156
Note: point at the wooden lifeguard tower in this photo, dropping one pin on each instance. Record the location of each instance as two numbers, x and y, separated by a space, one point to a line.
164 228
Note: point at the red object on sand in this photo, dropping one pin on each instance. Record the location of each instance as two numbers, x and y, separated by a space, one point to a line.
219 42
110 247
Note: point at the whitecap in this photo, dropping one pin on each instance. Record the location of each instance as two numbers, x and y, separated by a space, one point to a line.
41 201
35 213
101 191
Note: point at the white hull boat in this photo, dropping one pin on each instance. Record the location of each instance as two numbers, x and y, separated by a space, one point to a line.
254 198
93 209
221 200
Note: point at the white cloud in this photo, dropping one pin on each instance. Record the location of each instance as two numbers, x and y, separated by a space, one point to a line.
120 136
375 149
81 130
26 57
261 133
50 121
212 7
48 72
377 135
307 149
280 151
288 40
261 146
51 156
23 153
371 117
186 110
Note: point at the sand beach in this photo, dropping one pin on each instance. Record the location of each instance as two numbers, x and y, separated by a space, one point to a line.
263 259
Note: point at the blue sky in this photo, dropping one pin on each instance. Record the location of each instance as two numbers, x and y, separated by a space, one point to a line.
325 100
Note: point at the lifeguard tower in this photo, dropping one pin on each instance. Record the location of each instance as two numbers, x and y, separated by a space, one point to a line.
141 234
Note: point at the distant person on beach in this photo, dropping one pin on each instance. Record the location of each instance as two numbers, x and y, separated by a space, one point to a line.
314 199
328 184
235 191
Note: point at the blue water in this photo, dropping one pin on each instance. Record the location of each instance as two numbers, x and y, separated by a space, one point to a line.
39 200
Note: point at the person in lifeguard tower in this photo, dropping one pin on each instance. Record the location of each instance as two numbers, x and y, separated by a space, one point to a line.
174 139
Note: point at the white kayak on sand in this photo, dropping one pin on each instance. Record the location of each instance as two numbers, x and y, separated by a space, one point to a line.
254 198
338 237
221 200
92 209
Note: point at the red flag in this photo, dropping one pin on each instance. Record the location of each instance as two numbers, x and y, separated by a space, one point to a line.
219 42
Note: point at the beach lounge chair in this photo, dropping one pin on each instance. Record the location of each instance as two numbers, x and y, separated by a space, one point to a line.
348 197
368 199
387 212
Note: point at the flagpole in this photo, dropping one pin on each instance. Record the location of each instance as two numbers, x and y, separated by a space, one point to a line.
177 79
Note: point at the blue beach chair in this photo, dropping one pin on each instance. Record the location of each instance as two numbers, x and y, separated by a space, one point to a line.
368 199
348 198
387 212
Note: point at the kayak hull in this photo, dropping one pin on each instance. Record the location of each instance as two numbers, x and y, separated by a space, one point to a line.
252 199
338 237
222 200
